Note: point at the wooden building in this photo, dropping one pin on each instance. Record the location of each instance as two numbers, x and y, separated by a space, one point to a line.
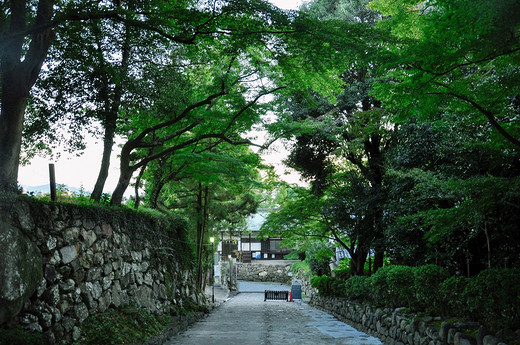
247 247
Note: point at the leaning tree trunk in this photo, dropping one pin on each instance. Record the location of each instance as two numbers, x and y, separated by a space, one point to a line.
111 118
125 175
19 73
108 143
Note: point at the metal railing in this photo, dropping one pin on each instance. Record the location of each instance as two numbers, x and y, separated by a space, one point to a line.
276 295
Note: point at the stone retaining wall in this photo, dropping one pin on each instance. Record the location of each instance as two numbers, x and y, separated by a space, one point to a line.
90 263
394 328
279 272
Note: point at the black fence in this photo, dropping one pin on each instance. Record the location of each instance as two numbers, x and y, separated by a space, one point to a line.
276 295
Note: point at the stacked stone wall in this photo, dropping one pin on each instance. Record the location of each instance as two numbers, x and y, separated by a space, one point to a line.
395 328
279 272
90 263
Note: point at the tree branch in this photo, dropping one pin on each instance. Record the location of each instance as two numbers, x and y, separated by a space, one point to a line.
487 113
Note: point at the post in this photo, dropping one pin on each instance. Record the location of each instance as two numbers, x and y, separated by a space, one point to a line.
230 285
212 240
467 267
52 177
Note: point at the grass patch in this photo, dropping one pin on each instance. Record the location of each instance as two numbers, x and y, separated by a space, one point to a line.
126 325
19 336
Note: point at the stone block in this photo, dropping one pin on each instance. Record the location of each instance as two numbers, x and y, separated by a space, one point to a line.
98 259
463 339
490 340
433 333
482 332
67 323
416 338
104 302
107 230
20 269
52 295
451 335
68 285
89 237
95 289
51 243
68 253
71 235
81 312
94 274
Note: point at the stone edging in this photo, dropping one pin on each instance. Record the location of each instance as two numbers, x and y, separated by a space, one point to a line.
394 328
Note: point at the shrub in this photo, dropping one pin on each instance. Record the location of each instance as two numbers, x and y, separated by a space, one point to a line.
401 282
427 280
328 286
494 297
451 293
379 286
343 270
392 286
358 288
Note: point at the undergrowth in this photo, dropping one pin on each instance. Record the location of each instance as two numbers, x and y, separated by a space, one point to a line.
126 325
19 336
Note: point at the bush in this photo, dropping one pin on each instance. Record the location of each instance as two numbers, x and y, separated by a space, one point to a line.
328 286
427 280
392 286
401 282
494 297
358 288
451 293
343 270
379 286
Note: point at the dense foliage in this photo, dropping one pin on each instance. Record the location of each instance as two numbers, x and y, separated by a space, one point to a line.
416 158
492 297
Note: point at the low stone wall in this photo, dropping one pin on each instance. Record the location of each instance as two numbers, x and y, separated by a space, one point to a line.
268 271
90 263
394 328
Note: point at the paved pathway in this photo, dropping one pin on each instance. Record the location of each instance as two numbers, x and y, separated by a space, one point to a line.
246 319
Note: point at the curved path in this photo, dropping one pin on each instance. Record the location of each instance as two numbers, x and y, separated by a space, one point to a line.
247 320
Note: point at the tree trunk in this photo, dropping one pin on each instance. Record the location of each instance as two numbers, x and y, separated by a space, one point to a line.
378 259
357 262
125 175
111 115
108 143
122 185
14 102
18 77
137 184
155 193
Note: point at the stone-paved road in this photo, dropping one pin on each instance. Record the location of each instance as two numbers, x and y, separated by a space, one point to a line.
247 320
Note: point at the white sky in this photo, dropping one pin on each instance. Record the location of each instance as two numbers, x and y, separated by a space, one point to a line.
82 171
287 4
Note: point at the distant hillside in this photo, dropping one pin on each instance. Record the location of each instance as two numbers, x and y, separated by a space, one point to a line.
45 189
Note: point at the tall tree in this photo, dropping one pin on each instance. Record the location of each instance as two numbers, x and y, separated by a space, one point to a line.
181 23
457 55
349 134
25 39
